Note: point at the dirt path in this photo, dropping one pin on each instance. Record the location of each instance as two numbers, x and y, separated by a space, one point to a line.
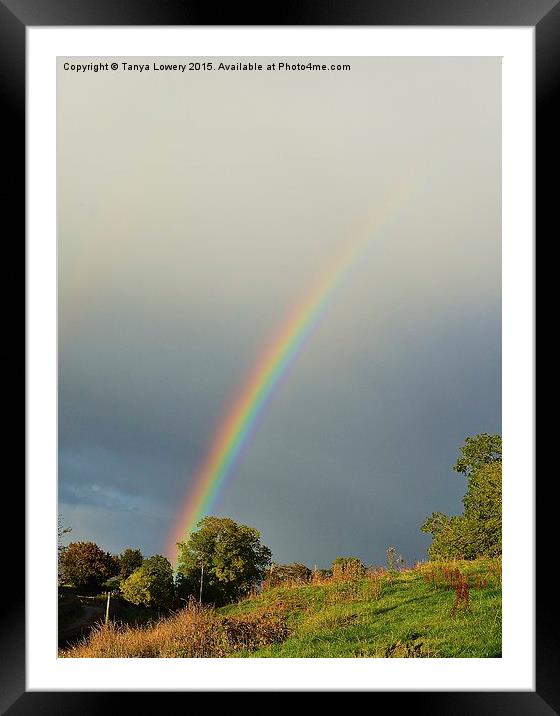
91 614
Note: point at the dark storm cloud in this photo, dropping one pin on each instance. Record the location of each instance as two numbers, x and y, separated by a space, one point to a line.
179 258
367 457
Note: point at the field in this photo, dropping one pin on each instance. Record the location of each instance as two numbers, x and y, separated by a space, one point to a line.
434 610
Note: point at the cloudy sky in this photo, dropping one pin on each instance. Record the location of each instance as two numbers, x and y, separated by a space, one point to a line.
194 212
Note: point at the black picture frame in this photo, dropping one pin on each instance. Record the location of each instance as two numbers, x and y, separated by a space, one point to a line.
15 17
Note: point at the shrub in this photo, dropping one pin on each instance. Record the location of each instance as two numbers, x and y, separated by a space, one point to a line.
287 574
250 632
152 584
395 561
193 632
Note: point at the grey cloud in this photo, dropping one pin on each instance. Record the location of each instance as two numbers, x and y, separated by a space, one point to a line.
194 213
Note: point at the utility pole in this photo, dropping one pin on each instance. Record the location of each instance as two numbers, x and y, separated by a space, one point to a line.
201 580
107 609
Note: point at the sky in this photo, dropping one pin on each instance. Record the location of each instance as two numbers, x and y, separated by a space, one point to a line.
195 210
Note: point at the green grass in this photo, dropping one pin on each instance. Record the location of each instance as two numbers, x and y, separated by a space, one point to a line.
408 614
411 617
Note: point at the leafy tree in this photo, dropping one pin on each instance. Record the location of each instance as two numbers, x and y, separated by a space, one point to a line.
435 523
151 584
480 450
478 531
450 539
227 556
84 564
129 561
483 510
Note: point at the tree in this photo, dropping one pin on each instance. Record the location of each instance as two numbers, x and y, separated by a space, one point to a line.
482 449
84 564
227 557
450 538
478 531
483 510
129 561
151 584
61 531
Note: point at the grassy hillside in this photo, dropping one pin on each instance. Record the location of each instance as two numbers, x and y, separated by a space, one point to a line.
433 610
408 614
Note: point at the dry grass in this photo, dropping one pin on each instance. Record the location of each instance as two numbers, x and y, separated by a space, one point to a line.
375 583
444 609
344 592
193 632
347 572
253 631
449 576
462 594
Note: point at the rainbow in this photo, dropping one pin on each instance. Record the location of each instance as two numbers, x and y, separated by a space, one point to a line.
242 414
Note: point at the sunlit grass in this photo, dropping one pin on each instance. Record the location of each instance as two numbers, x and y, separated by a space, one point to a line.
410 618
413 613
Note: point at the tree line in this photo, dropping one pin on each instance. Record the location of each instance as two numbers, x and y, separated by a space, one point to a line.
222 560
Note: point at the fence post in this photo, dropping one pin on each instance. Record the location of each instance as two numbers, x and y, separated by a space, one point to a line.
107 609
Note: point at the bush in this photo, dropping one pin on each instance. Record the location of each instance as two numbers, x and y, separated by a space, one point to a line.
250 631
344 568
192 632
151 585
294 573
